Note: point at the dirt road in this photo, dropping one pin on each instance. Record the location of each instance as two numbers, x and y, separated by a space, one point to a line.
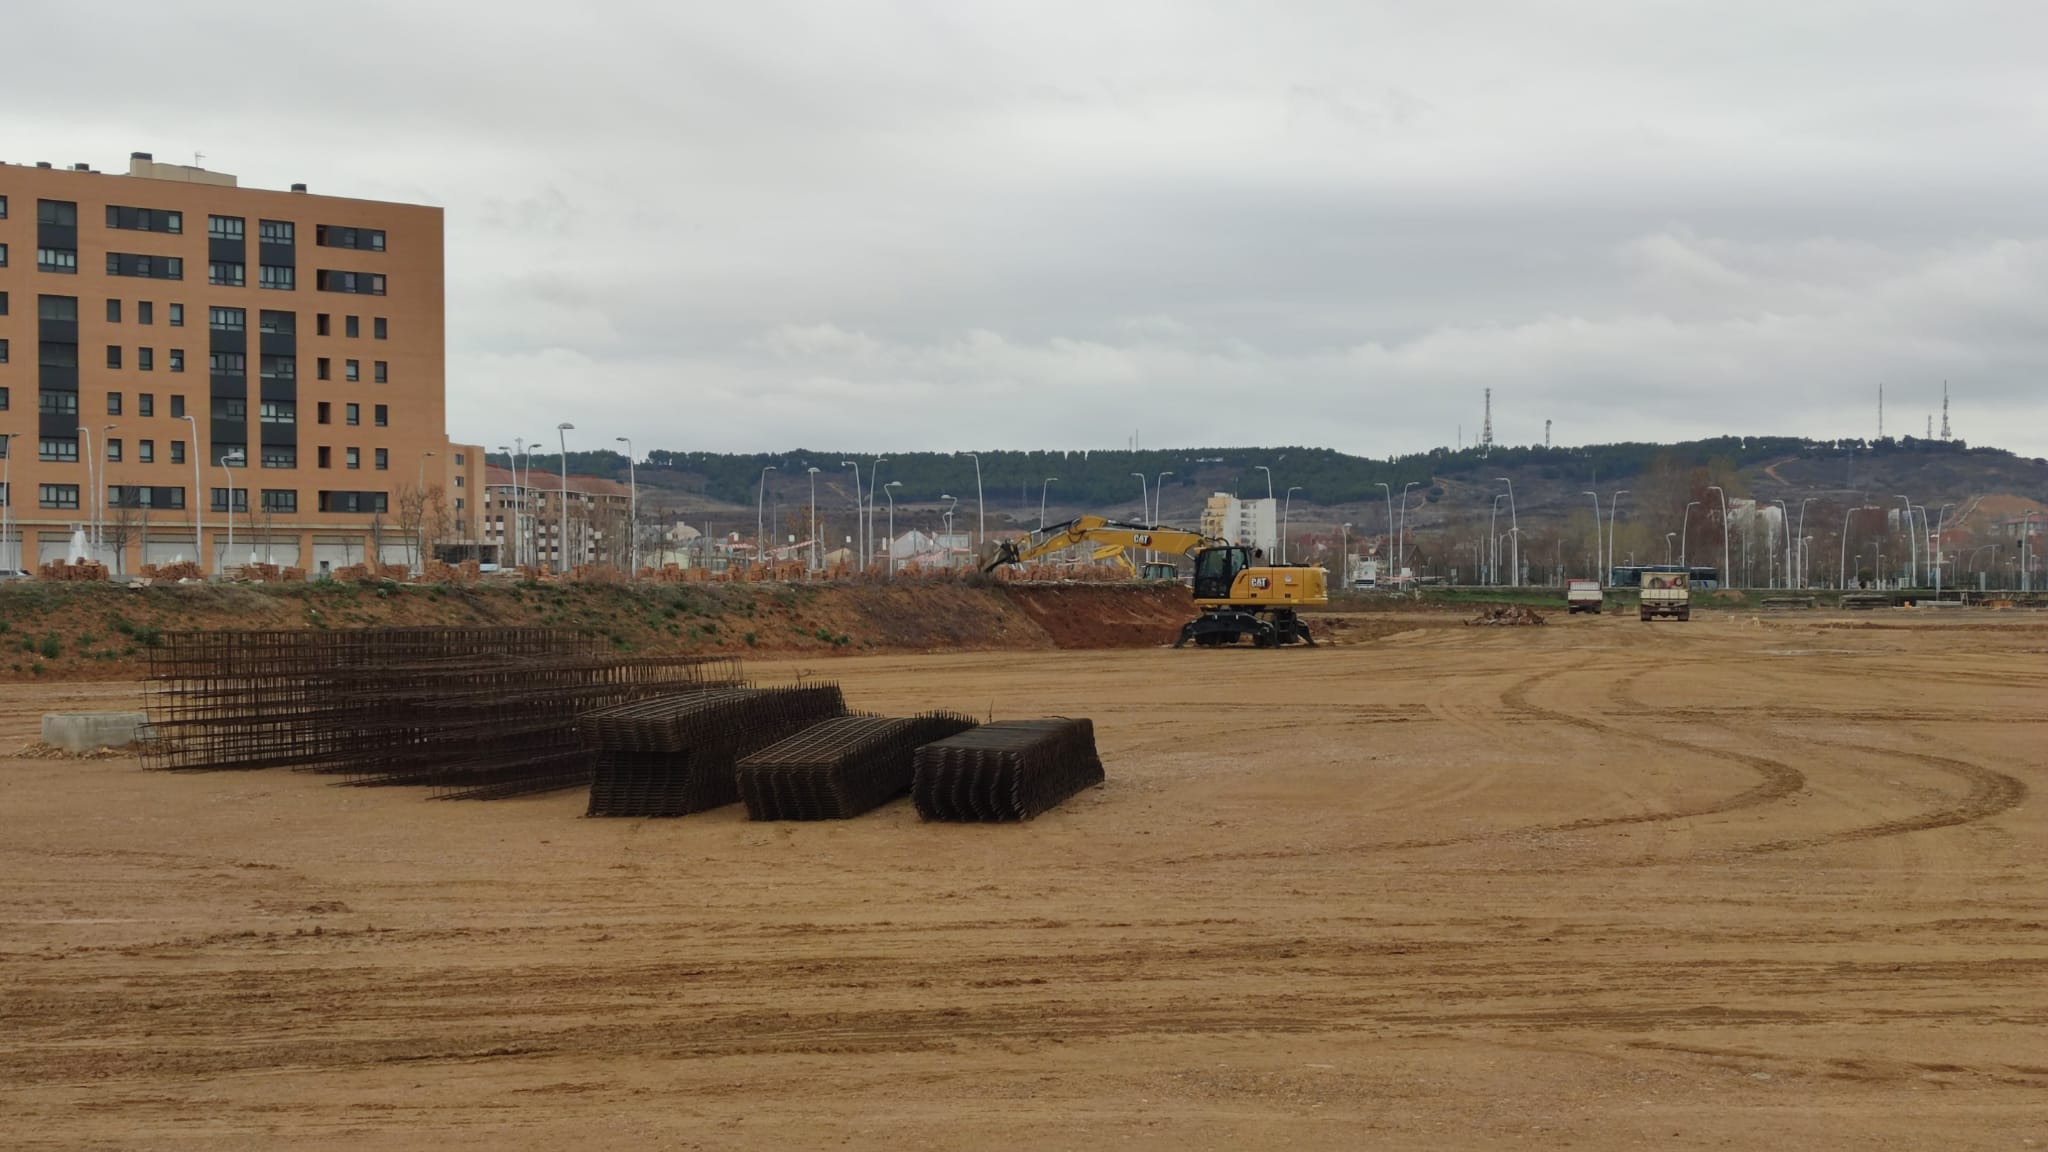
1735 883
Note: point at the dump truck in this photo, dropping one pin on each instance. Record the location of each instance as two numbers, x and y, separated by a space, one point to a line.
1666 594
1583 596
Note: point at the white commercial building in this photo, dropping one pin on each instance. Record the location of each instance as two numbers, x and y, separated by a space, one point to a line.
1252 523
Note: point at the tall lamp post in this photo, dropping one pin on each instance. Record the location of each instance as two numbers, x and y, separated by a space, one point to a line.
1799 569
1596 534
198 515
1269 479
1287 507
1912 549
529 529
7 490
419 529
1614 511
512 530
1049 480
889 490
1401 540
874 477
1158 498
1842 576
1344 561
99 490
815 559
860 518
1726 576
760 500
1668 538
229 554
1388 490
1515 536
562 513
91 504
632 508
1685 534
980 508
1492 538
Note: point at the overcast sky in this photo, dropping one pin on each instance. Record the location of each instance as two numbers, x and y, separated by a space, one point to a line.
890 226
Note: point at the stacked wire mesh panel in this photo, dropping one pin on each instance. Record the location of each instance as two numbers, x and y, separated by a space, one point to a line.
1005 770
677 754
471 712
840 768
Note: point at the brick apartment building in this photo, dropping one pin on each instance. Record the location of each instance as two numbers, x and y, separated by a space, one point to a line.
179 352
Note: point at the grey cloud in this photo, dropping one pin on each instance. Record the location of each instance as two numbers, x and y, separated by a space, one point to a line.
943 225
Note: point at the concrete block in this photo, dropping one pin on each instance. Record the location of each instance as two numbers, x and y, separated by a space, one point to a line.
87 731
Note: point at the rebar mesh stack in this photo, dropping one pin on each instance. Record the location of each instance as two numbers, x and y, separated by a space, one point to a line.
1006 770
676 755
470 711
840 768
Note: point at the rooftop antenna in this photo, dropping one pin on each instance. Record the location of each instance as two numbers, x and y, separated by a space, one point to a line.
197 157
1944 411
1546 434
1486 429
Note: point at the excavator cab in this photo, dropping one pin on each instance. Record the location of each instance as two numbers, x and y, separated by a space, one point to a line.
1216 570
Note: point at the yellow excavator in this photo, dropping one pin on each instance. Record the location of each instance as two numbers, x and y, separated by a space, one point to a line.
1238 593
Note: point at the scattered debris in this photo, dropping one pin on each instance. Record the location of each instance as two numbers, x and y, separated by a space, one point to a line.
1507 614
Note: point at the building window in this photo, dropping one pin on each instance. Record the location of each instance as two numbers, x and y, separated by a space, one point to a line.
275 231
383 459
145 267
58 451
227 409
3 298
113 449
113 311
280 456
113 403
220 499
145 219
145 451
353 370
177 451
145 359
3 408
177 315
227 319
58 404
352 326
357 283
355 458
353 414
282 277
378 329
320 324
228 363
278 323
280 500
3 351
320 368
383 414
145 403
458 480
366 239
324 412
113 355
3 207
62 213
3 255
460 460
145 312
57 495
177 405
383 372
280 367
63 260
177 362
278 412
326 454
57 307
224 227
222 272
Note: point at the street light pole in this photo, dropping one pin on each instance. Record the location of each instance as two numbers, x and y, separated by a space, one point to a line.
1041 500
1269 479
814 519
860 531
229 556
1344 561
1842 576
7 490
1388 490
874 477
198 515
1685 534
1289 506
980 508
1515 536
1727 576
1401 541
1159 498
419 529
760 501
1596 533
889 490
1800 568
562 513
632 508
1614 511
92 515
99 491
1668 537
1912 549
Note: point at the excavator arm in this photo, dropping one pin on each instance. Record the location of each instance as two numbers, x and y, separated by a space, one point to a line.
1109 538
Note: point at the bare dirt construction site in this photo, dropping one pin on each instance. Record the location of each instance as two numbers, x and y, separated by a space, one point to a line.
1744 882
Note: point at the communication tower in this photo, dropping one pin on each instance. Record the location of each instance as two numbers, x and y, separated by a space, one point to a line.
1944 411
1486 429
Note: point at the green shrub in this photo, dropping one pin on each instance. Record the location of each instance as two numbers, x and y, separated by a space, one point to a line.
50 646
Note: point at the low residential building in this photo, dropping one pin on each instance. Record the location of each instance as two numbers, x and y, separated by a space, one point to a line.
523 522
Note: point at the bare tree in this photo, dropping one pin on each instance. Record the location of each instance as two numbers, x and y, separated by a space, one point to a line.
119 532
376 556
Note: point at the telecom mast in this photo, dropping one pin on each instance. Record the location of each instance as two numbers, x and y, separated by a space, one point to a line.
1546 434
1486 429
1944 411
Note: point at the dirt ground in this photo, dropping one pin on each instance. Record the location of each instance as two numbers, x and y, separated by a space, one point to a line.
1739 883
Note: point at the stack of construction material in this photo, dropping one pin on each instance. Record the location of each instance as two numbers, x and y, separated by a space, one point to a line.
840 768
472 712
1007 770
677 754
